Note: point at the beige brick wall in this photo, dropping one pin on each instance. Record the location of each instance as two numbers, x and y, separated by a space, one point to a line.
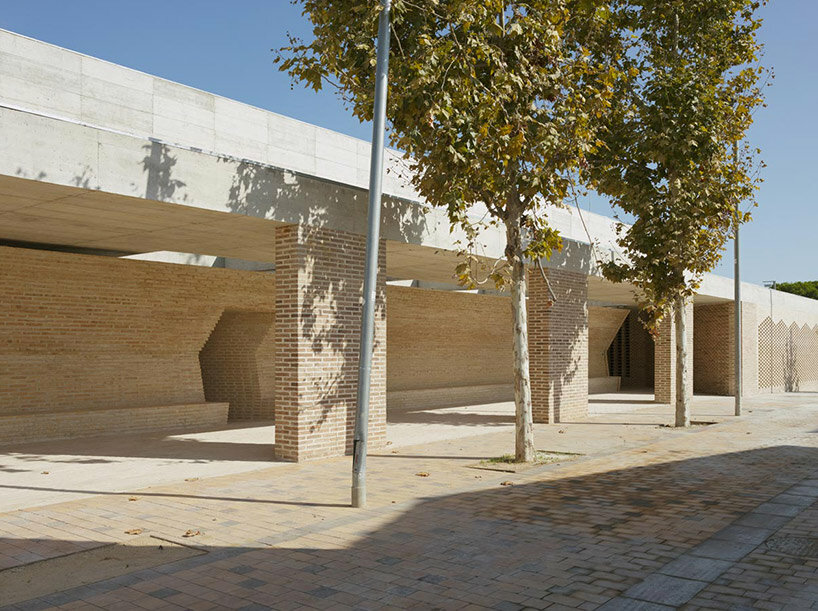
448 339
664 371
319 277
88 423
80 332
714 349
238 364
558 346
787 356
603 325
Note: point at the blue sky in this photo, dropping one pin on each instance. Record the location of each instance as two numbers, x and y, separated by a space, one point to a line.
224 47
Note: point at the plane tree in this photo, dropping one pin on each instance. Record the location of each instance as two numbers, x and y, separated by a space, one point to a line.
673 158
493 102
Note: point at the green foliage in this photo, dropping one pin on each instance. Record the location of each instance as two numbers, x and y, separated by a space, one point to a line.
808 288
490 111
671 157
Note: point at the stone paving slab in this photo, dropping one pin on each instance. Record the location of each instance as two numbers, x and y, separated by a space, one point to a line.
621 528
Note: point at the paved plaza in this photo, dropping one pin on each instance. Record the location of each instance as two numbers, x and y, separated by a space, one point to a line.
721 516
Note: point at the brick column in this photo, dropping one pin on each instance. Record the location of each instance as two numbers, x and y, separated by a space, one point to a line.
558 345
319 291
664 371
714 358
749 348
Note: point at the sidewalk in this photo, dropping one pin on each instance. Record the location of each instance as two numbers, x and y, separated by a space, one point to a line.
650 517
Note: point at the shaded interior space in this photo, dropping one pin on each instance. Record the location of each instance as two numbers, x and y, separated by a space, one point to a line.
238 364
621 354
449 363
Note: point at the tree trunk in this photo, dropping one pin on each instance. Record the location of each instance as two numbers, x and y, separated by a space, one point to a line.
682 380
524 446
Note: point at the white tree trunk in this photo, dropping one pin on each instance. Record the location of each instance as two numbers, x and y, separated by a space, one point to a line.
682 379
524 446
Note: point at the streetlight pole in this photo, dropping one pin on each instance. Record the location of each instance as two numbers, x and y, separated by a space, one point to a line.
737 327
371 270
737 296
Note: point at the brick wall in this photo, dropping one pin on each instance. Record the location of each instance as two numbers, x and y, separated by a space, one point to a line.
80 332
787 356
603 325
89 423
642 354
238 364
319 276
558 345
448 339
714 349
664 371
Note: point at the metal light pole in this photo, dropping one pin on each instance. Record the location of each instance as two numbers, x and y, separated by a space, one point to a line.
737 296
737 328
371 271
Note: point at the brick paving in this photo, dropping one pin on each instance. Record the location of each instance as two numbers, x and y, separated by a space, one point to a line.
708 518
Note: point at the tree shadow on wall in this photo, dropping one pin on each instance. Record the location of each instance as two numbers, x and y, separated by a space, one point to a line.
566 329
158 166
328 269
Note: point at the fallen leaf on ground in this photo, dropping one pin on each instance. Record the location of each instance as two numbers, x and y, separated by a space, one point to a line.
134 531
422 474
191 533
191 479
389 443
133 498
44 473
506 483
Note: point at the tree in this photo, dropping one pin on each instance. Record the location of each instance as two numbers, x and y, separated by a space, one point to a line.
806 288
672 158
493 102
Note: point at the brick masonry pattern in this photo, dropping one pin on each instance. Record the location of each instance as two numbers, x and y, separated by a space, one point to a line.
664 370
85 332
444 339
714 349
558 345
238 364
318 316
787 356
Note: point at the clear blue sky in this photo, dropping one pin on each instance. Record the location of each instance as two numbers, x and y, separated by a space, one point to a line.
224 47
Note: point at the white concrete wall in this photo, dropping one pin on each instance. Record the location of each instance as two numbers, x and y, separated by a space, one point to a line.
778 305
96 120
38 77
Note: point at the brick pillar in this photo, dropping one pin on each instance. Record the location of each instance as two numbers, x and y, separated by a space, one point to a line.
749 349
664 371
319 291
714 360
558 345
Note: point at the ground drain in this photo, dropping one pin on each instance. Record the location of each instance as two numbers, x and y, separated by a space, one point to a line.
793 546
45 577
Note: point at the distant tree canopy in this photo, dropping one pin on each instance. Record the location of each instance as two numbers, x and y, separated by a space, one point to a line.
807 288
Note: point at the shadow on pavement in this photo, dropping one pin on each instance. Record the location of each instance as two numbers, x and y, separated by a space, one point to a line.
574 541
